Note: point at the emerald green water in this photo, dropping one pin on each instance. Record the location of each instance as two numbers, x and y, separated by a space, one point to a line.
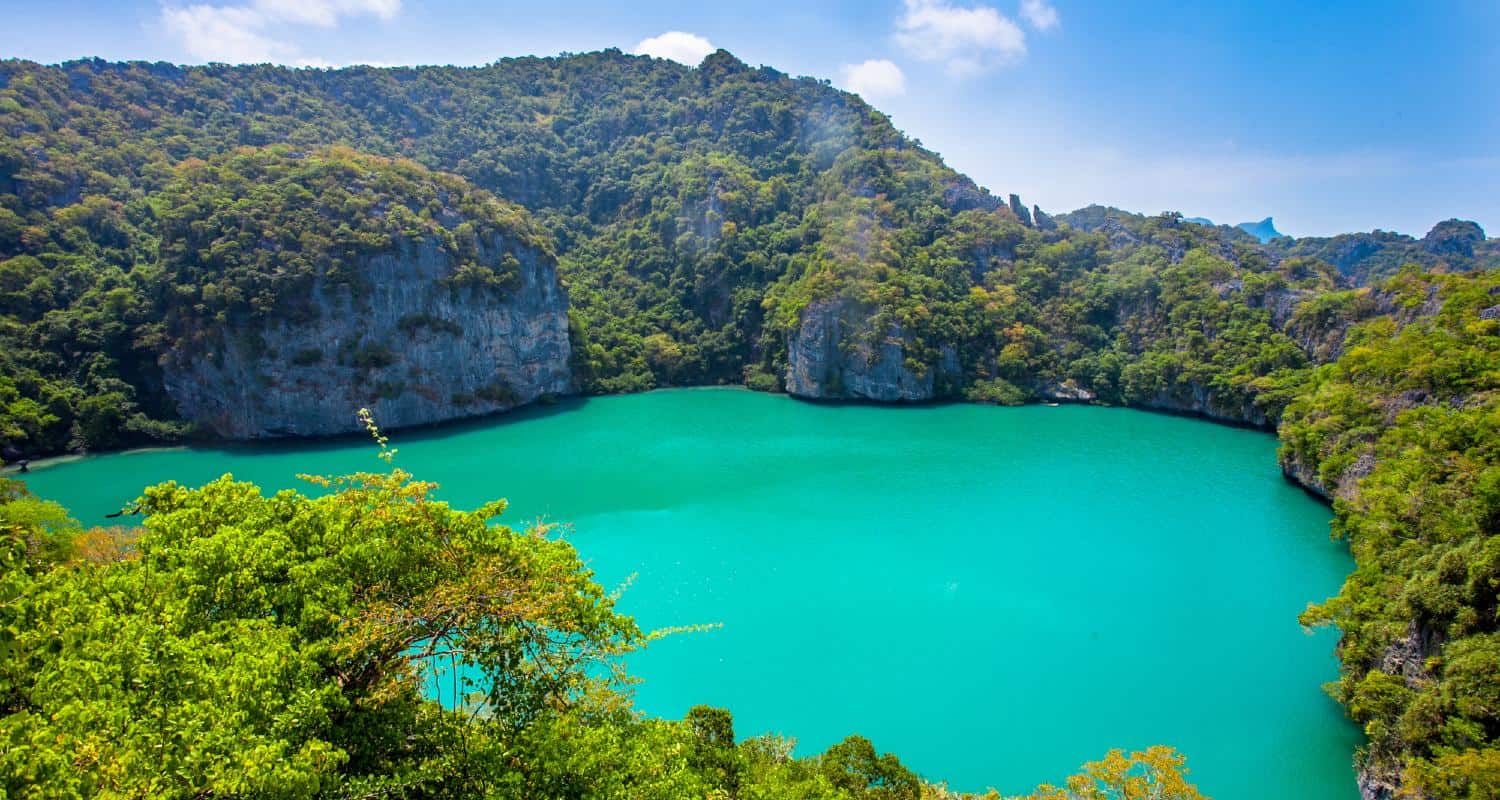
994 594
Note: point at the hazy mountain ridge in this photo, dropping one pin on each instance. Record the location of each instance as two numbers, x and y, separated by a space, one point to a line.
1452 245
1265 230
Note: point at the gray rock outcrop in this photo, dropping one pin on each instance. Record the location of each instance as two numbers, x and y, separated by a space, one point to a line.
1454 237
1198 400
410 345
1043 220
1065 391
833 355
1019 209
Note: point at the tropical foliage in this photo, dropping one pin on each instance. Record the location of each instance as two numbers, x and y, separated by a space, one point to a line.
1405 428
246 645
697 215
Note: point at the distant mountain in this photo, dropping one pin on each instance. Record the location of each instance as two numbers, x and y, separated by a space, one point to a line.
1362 259
1265 230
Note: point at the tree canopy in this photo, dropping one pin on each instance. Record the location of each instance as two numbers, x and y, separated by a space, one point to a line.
696 214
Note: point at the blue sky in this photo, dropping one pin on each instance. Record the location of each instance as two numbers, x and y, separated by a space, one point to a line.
1331 116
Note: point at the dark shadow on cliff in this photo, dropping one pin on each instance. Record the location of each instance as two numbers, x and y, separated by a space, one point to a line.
857 401
407 435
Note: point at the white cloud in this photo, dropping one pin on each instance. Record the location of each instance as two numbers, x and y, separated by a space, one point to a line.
967 40
229 34
247 33
874 78
1040 14
684 48
325 13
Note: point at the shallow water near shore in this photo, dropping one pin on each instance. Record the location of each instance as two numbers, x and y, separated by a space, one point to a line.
994 594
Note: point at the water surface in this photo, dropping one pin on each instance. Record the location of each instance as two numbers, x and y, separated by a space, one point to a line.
995 594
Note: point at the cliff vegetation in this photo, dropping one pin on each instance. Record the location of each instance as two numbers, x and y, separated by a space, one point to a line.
255 251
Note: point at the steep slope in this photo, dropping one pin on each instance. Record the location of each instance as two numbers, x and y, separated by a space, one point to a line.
1403 431
300 287
675 197
721 224
713 225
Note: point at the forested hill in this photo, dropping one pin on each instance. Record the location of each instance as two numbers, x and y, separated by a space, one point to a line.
675 197
718 224
258 251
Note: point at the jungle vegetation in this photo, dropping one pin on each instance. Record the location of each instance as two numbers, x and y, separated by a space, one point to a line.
696 215
239 644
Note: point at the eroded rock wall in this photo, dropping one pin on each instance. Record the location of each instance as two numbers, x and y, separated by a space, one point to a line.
834 355
410 345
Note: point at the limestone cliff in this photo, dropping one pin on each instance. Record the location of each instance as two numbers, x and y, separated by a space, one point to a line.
1202 401
411 344
833 355
1321 329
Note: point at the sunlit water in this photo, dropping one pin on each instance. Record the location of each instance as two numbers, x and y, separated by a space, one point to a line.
996 595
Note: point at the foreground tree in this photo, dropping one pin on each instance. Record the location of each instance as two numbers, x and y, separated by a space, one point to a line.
1156 773
276 645
288 646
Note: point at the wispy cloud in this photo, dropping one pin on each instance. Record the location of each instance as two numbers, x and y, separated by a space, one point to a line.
967 40
875 78
1040 14
247 33
680 46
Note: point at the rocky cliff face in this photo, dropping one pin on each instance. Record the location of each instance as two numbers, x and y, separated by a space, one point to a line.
1299 471
1019 209
1454 237
1323 338
1201 401
833 355
411 345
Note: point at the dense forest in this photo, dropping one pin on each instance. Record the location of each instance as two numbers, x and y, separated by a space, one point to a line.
1403 431
699 216
718 224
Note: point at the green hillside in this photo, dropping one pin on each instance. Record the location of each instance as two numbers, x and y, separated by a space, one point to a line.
718 224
